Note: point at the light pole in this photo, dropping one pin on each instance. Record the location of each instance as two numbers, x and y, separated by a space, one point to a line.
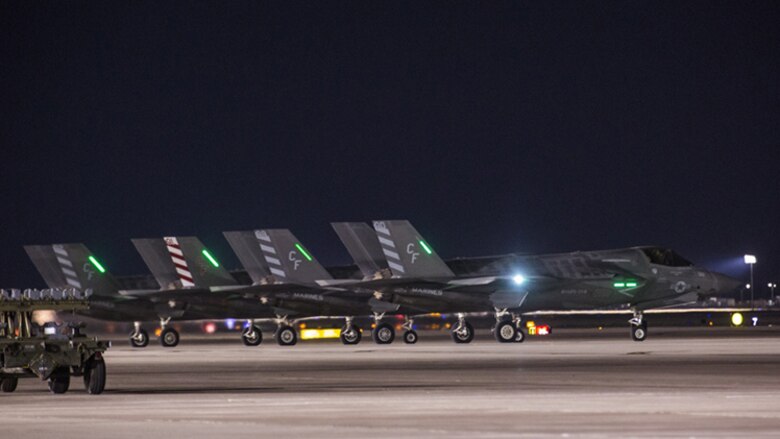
751 260
772 287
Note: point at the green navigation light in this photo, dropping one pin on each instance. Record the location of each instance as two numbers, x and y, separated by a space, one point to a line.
210 258
631 284
97 264
303 252
425 247
619 284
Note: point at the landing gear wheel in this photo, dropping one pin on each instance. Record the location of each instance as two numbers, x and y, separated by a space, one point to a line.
286 336
95 376
9 384
505 332
383 333
351 335
463 335
519 335
410 337
169 338
252 336
639 332
59 381
140 339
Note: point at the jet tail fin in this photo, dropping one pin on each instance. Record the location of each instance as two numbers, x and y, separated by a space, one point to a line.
182 262
72 266
250 251
362 244
407 253
287 259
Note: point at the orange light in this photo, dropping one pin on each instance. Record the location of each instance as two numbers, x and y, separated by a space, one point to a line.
157 332
530 324
302 326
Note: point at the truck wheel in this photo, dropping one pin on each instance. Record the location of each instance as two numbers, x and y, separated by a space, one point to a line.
95 376
9 384
59 381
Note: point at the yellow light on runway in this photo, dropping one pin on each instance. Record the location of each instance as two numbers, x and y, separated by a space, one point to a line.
737 319
317 334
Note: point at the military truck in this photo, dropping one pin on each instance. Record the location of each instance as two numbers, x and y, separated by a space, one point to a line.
53 353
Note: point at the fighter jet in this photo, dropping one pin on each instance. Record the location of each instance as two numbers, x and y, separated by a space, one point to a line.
510 285
74 266
288 277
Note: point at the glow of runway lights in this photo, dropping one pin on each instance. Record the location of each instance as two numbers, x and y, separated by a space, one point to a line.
210 328
518 279
737 319
230 323
317 334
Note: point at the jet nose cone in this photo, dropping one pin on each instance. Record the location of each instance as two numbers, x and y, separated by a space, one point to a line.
727 286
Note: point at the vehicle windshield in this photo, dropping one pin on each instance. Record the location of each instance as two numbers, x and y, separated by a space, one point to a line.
665 256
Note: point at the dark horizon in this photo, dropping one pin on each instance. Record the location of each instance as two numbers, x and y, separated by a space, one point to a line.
493 127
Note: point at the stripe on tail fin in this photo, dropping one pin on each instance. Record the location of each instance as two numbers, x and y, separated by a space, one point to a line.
287 259
179 262
249 248
407 253
182 262
362 244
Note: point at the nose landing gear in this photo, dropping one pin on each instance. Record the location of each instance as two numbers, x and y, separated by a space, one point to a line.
463 332
638 327
139 338
350 333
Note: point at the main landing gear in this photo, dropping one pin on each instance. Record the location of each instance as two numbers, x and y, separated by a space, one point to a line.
169 337
383 333
252 335
638 327
350 333
285 334
463 332
139 338
508 330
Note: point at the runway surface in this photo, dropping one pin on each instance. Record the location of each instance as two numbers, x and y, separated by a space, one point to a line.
692 386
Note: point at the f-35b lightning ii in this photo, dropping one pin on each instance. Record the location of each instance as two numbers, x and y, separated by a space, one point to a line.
510 285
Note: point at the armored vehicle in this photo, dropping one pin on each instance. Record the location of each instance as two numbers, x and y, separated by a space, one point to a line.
53 353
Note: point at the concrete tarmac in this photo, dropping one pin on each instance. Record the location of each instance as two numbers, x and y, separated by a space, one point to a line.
689 386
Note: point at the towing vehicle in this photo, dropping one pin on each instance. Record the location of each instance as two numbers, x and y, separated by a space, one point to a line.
51 352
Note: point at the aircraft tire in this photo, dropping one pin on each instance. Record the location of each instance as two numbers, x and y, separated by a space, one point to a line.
464 336
639 332
95 376
9 384
519 336
383 333
350 337
252 336
505 332
410 337
169 338
59 381
139 341
286 336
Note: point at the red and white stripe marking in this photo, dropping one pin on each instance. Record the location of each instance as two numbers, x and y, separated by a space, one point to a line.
177 256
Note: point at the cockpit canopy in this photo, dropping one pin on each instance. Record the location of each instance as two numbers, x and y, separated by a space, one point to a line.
665 256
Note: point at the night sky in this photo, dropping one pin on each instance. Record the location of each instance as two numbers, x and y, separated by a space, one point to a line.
493 126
